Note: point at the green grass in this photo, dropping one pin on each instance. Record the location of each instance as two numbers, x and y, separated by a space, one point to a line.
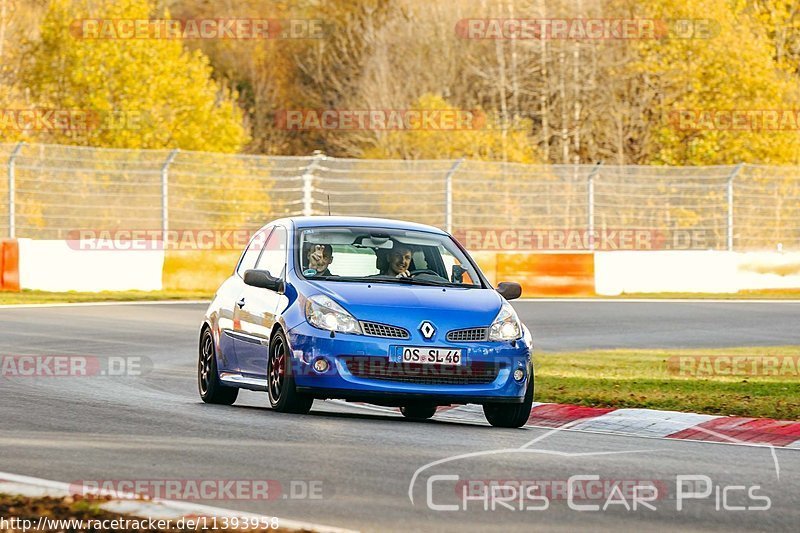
42 297
642 378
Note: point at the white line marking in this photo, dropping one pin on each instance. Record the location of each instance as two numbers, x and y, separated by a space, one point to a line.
570 427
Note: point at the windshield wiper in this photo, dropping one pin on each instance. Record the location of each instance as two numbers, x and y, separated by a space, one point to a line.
415 281
406 281
377 279
412 281
352 278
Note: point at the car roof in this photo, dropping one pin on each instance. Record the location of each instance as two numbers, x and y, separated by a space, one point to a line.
367 222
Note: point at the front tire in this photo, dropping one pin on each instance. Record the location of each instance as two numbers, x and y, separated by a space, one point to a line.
418 411
208 383
283 395
514 415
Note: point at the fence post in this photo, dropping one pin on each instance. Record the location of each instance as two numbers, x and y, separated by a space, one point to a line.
308 183
729 228
448 196
12 218
590 204
165 193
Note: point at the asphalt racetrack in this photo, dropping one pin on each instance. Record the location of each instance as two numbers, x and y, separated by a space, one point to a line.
350 466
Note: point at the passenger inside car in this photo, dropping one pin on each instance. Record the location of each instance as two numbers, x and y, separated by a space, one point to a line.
318 257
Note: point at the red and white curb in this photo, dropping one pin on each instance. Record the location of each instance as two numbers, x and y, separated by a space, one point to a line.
642 423
670 425
32 487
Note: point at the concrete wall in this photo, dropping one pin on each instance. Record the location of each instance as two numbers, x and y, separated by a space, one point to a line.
694 271
768 270
58 266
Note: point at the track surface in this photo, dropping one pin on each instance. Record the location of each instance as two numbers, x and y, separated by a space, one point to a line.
155 427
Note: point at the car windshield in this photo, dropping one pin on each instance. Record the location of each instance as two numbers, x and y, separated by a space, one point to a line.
381 255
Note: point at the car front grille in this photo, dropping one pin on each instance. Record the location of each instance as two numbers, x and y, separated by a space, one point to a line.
373 329
381 369
468 335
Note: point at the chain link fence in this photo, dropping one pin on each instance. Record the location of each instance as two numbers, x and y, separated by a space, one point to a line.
51 191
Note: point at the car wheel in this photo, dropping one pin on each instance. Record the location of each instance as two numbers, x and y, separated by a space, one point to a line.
283 396
211 389
418 411
514 415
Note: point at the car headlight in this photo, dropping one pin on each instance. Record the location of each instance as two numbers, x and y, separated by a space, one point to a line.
506 326
322 312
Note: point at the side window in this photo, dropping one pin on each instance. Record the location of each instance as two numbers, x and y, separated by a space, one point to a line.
251 254
273 258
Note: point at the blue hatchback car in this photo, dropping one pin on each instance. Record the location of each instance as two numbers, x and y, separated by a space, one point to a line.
364 309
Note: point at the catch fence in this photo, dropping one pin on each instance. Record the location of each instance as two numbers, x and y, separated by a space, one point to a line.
53 190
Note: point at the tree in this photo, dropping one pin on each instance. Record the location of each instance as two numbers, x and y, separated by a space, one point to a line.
486 139
698 78
140 93
407 190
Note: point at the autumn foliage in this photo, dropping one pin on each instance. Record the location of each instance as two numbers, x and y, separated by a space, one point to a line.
565 95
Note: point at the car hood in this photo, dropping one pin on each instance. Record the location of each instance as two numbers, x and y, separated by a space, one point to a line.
409 305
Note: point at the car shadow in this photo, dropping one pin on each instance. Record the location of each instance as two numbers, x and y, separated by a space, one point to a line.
350 416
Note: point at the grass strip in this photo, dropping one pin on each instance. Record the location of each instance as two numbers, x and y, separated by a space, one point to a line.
756 381
45 297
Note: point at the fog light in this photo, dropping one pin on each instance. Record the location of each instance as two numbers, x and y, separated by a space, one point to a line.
519 374
320 365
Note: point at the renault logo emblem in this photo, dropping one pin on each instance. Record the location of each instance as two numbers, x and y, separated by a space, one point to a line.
427 329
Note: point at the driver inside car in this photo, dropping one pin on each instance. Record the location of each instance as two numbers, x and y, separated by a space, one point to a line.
398 261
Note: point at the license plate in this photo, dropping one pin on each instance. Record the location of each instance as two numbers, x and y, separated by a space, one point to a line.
431 356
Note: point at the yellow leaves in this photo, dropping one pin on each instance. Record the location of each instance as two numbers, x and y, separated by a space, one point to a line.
166 93
733 71
484 138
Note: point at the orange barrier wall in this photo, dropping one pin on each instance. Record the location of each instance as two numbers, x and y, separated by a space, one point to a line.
9 265
556 274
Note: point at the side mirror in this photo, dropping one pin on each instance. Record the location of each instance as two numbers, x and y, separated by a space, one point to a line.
262 279
509 290
457 274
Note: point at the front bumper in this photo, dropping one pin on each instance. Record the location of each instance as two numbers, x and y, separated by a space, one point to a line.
362 368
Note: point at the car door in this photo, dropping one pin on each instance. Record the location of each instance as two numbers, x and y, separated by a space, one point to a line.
258 308
228 294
